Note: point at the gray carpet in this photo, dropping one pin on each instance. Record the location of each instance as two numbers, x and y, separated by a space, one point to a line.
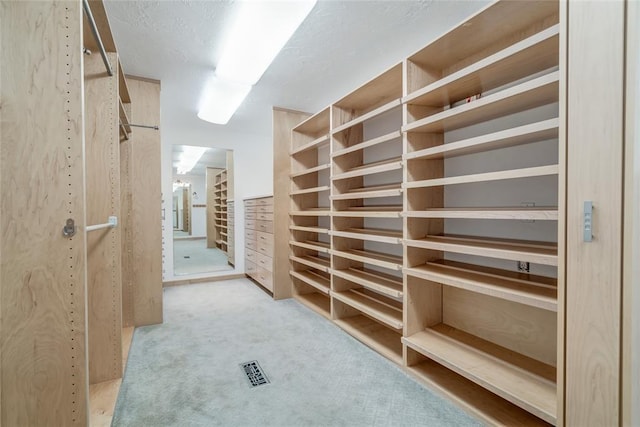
186 371
200 259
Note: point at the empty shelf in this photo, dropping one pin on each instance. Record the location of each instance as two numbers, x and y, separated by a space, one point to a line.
389 190
385 211
310 229
370 234
369 143
322 264
529 56
486 177
371 168
311 212
533 93
321 247
378 310
310 190
321 283
515 250
374 280
316 143
310 170
516 378
371 114
375 335
320 303
392 262
317 123
520 213
525 289
539 131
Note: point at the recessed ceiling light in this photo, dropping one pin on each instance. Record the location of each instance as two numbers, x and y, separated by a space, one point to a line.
221 99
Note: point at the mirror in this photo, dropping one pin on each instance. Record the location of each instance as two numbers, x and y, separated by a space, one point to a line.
202 207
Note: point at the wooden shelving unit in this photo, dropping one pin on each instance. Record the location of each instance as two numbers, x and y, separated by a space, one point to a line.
445 172
220 211
310 213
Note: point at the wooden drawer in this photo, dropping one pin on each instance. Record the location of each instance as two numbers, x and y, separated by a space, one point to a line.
264 261
251 202
251 256
265 209
265 278
266 226
251 244
250 215
253 208
250 268
250 235
264 248
250 224
264 216
264 201
262 237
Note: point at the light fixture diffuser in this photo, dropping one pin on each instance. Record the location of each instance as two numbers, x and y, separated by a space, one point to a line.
189 158
260 30
221 99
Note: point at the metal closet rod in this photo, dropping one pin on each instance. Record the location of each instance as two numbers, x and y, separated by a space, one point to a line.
144 126
96 36
113 222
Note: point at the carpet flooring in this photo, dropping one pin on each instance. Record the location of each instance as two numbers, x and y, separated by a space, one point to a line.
191 256
186 371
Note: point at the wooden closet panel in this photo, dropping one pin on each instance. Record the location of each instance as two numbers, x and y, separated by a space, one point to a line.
146 202
211 209
42 273
594 173
631 289
283 122
125 222
104 274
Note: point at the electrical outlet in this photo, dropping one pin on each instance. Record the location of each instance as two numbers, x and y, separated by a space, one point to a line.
523 266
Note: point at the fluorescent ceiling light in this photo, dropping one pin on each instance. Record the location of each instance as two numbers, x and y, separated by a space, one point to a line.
220 100
260 30
189 158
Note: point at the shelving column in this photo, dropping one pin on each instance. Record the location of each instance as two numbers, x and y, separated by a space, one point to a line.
481 145
366 231
310 213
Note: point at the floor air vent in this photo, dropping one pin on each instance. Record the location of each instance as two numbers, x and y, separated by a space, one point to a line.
254 373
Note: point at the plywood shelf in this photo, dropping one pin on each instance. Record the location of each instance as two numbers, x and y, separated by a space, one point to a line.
317 302
392 262
315 144
124 119
321 264
311 170
380 282
371 168
309 229
534 213
533 93
311 212
545 253
370 234
315 124
486 177
367 116
534 291
529 56
310 190
387 211
539 131
123 87
375 335
320 247
321 283
516 378
383 313
388 190
367 144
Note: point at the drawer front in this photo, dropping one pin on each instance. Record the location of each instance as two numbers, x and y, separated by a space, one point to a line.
266 238
265 278
266 226
250 215
250 268
251 244
251 256
264 261
264 216
250 224
250 202
265 249
253 208
264 209
250 235
264 201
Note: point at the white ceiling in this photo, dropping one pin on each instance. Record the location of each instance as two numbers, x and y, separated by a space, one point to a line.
341 45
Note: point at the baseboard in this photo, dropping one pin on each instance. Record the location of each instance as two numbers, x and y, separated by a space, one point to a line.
171 283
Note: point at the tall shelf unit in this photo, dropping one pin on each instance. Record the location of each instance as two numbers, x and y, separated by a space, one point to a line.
220 212
425 208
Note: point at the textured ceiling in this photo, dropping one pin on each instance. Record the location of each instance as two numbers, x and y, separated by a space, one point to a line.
341 45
